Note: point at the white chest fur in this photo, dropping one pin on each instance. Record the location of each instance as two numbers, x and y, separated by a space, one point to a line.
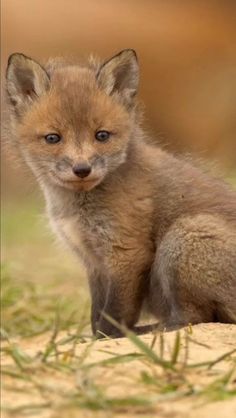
88 237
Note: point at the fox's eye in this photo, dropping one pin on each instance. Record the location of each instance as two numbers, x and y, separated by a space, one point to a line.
52 138
102 136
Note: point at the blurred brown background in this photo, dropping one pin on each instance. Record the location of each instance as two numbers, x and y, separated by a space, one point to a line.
187 53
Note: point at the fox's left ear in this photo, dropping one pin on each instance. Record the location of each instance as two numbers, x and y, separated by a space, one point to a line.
120 76
26 81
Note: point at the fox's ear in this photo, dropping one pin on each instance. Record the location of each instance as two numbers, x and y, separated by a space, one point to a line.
26 81
120 76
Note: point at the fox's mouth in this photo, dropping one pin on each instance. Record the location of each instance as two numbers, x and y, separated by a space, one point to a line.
77 184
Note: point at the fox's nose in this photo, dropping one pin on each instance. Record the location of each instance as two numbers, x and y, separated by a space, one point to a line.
82 170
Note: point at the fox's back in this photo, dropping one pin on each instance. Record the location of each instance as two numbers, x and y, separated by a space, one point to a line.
182 187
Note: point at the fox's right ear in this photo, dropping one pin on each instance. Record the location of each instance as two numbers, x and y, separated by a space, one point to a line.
120 76
26 80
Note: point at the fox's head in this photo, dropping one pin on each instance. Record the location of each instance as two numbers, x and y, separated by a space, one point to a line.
73 124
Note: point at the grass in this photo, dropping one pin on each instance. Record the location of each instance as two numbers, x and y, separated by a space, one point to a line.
29 308
35 287
51 362
156 381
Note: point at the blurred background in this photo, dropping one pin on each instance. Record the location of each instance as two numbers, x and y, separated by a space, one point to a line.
187 54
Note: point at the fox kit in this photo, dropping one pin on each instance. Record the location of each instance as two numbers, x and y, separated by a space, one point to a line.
151 228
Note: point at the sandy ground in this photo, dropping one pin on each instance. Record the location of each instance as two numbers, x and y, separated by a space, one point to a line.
208 342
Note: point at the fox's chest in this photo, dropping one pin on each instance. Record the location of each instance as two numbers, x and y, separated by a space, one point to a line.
90 237
106 236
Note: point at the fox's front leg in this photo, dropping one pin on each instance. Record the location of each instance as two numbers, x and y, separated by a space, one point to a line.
123 304
98 290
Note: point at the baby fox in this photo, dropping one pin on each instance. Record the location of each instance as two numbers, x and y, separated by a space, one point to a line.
152 229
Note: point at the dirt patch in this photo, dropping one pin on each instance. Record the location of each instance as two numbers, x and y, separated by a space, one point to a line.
194 377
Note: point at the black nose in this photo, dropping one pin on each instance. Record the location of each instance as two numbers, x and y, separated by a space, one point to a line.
82 170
